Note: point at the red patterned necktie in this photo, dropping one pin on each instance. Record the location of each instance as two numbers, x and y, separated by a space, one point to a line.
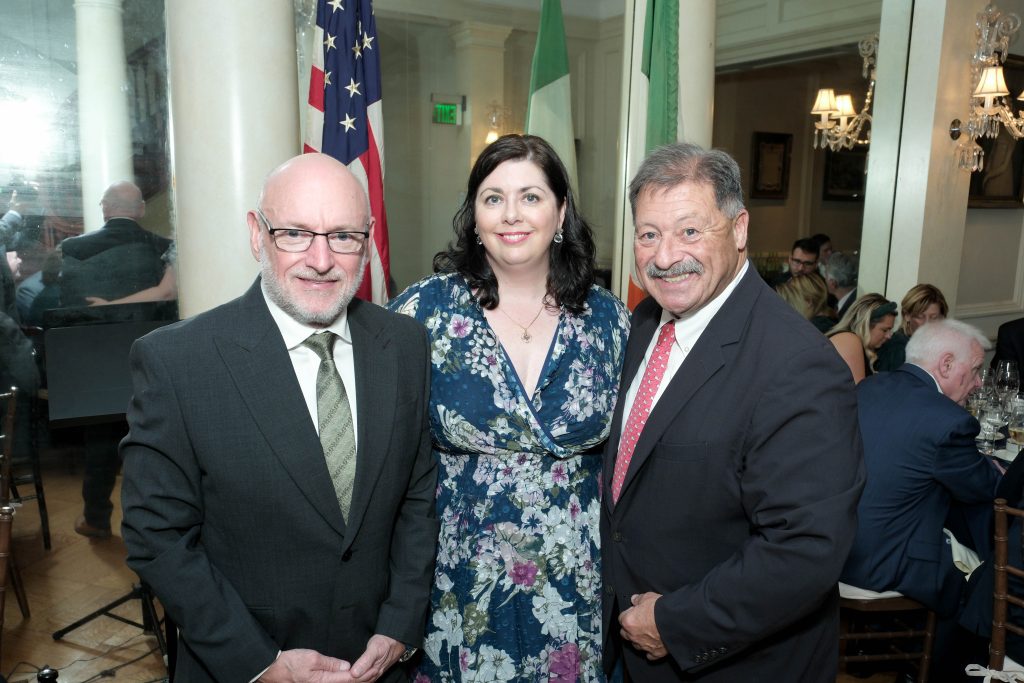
641 409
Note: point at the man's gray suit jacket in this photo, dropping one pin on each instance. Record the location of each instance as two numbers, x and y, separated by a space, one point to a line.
229 511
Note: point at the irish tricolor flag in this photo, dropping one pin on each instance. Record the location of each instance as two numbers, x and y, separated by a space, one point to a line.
549 112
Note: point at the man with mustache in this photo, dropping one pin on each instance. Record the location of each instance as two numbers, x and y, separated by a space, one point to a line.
278 481
734 466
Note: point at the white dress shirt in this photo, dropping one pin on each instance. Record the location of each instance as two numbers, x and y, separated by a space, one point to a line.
306 363
689 328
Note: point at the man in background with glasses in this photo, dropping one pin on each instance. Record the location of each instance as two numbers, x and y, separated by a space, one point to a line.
279 486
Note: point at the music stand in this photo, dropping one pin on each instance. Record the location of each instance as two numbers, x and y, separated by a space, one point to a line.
90 383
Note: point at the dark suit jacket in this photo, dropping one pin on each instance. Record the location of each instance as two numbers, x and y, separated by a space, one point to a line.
920 455
119 259
1010 343
229 510
739 503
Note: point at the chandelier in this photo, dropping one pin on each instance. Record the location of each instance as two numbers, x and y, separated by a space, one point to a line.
990 108
839 125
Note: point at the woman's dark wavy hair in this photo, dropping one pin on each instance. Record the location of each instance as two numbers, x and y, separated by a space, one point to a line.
571 270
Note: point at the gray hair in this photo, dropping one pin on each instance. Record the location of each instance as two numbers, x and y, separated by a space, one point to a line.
684 162
843 269
930 341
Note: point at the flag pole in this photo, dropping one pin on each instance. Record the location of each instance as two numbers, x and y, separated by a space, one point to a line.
632 125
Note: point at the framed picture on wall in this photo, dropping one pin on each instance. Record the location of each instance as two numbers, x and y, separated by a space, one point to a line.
844 174
999 184
770 175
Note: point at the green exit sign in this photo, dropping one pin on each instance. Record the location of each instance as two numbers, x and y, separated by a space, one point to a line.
446 113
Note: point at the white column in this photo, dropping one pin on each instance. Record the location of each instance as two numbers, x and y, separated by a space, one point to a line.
234 117
921 207
696 71
104 128
479 74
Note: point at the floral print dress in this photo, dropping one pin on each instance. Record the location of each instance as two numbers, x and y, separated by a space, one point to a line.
517 582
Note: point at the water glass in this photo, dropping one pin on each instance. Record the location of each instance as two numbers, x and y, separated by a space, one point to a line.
992 420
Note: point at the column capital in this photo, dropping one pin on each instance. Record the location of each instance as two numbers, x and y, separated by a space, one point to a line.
476 34
117 5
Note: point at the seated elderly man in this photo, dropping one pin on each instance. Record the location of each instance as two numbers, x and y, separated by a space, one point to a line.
922 463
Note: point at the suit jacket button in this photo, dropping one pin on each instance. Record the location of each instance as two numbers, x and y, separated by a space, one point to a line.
617 537
347 555
609 590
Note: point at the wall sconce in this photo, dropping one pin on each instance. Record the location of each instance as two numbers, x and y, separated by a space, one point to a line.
497 120
839 126
989 106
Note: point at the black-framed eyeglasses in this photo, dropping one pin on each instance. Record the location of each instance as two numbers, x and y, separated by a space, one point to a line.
295 240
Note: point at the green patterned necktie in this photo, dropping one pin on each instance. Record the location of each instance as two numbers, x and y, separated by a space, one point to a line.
337 434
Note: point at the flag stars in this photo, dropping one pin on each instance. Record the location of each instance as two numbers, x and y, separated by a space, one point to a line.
358 49
367 40
336 4
327 78
353 88
348 122
330 42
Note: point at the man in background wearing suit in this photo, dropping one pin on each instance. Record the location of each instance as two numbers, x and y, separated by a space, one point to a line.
279 486
733 468
1010 343
925 519
118 259
113 261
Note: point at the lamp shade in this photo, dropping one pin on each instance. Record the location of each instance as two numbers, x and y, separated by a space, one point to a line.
844 106
991 83
825 102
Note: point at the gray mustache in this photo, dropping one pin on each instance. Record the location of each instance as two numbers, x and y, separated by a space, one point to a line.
676 269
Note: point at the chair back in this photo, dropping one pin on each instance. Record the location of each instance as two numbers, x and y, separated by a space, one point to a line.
1002 596
8 403
903 630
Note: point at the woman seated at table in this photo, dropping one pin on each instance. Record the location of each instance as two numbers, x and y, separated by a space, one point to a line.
922 304
808 294
866 326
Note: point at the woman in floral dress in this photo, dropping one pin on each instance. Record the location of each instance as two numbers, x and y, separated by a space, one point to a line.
526 359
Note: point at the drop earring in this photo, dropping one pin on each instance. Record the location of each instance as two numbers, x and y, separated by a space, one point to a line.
557 239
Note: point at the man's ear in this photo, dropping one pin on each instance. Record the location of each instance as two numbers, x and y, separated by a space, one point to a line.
945 364
254 234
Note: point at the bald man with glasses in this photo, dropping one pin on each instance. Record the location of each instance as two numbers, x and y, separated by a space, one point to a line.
279 485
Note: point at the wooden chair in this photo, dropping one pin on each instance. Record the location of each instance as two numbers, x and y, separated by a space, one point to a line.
9 401
900 618
6 517
1002 596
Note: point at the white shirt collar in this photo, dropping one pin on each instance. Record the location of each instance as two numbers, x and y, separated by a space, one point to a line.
295 333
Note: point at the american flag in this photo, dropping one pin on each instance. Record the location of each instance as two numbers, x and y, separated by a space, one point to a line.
345 118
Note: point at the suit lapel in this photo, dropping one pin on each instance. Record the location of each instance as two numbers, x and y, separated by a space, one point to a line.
258 361
704 360
376 394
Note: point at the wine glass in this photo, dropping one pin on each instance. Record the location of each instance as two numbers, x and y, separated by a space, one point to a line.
1007 380
1015 424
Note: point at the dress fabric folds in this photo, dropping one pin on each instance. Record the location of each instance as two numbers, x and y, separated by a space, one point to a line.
517 582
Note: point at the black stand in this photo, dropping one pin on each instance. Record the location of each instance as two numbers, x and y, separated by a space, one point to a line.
150 621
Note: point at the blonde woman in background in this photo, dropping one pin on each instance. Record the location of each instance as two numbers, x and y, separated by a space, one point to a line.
865 327
808 294
922 304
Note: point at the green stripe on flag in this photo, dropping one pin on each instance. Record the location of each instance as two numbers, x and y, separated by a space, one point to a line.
550 58
660 64
549 109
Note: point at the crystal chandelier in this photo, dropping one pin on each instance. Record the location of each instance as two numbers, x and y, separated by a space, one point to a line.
990 108
839 126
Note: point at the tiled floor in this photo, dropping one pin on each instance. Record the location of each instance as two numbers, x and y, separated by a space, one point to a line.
74 578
